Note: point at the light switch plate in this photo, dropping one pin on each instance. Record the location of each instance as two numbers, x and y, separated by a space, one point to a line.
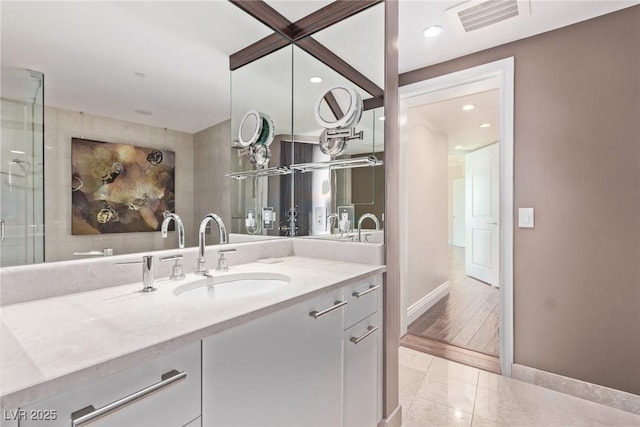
525 217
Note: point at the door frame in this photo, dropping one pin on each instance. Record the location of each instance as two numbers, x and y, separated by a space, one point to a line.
493 75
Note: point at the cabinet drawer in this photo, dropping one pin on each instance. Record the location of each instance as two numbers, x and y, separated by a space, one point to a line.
362 298
175 400
361 392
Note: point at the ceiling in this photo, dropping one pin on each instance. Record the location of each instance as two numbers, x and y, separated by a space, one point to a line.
416 51
463 127
90 51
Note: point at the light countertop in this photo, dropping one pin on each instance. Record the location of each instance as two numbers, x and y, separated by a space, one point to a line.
53 344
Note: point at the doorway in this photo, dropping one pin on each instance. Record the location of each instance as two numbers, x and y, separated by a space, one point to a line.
466 312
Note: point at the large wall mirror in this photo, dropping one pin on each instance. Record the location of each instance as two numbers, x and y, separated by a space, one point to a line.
331 182
108 86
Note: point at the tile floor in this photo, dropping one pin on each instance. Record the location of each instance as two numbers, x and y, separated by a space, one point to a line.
438 392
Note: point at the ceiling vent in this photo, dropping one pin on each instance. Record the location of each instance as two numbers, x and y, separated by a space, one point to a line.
473 15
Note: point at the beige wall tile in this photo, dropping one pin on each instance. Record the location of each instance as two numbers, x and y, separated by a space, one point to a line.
60 244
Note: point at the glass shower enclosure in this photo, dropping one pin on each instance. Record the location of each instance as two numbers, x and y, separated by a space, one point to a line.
21 167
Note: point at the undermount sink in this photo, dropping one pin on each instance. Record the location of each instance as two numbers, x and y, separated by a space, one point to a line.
233 285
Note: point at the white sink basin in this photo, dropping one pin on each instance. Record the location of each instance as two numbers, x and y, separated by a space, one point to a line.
233 285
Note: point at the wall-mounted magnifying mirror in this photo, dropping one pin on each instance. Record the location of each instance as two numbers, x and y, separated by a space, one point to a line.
256 128
339 110
340 107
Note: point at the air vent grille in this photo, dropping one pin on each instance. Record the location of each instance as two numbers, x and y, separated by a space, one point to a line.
487 13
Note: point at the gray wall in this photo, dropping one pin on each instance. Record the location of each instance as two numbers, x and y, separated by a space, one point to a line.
577 161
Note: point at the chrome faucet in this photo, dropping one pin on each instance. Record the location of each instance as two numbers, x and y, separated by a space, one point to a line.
202 262
147 272
332 220
168 217
361 220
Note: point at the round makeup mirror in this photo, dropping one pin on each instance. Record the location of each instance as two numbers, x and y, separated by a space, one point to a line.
250 128
340 107
255 128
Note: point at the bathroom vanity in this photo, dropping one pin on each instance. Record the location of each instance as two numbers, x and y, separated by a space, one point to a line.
307 352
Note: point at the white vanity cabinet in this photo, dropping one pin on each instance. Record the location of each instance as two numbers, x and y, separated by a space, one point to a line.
161 392
362 341
284 369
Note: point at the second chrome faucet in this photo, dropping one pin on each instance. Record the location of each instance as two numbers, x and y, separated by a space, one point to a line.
202 263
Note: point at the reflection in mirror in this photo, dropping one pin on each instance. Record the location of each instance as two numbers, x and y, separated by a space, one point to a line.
109 86
22 168
261 120
330 200
298 91
339 107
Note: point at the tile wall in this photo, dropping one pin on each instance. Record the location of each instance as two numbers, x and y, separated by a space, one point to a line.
211 186
60 126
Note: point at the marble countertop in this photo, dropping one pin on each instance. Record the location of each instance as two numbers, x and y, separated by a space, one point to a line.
54 344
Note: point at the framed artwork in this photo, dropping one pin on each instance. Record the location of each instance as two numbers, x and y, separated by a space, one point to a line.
119 188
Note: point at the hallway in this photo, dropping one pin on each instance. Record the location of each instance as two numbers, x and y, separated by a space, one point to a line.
467 318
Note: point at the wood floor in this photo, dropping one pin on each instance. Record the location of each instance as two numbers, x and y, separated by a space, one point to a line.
467 318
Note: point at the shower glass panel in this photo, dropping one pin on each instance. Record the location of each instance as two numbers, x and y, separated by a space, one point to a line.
21 167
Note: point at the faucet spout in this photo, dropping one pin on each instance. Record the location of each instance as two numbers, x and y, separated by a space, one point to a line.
168 217
361 220
202 263
332 220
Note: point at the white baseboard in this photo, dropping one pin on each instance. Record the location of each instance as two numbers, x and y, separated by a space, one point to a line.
425 303
596 393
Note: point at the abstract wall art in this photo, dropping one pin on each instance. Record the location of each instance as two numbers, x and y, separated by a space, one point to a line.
119 188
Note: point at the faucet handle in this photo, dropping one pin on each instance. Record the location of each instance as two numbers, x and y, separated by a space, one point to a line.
171 257
148 259
176 272
222 261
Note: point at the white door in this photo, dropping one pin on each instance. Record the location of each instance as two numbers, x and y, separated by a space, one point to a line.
458 220
482 194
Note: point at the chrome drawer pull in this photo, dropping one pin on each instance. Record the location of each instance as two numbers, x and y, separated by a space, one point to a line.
85 416
336 305
363 293
370 330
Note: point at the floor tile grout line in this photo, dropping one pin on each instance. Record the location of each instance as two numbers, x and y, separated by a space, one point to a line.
475 398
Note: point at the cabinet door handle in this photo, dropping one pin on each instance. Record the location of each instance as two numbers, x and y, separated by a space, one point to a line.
363 293
85 416
336 305
370 330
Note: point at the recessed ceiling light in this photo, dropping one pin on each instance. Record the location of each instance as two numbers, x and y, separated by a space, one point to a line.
432 31
315 79
485 125
468 107
17 152
143 112
458 147
141 75
381 118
